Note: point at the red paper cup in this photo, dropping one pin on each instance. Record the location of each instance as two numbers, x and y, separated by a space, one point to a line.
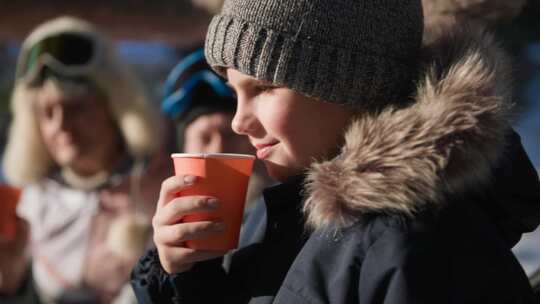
226 177
8 214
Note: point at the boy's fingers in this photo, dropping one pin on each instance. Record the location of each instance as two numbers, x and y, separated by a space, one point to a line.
176 235
173 211
172 185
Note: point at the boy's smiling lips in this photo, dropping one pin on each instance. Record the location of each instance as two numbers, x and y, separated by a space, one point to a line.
263 149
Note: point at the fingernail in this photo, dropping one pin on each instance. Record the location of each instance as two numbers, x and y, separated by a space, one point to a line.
189 179
212 203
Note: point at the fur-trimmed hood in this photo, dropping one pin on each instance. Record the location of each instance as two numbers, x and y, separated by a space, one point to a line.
448 141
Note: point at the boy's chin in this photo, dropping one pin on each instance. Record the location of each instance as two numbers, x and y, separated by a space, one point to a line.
279 172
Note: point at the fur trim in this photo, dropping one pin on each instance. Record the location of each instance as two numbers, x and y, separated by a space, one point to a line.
404 160
26 159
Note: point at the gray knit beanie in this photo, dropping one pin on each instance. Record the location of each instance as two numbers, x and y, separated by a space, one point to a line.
343 51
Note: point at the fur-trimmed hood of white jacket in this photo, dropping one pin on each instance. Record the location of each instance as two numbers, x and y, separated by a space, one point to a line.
446 142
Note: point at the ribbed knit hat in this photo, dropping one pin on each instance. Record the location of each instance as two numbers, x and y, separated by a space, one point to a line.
343 51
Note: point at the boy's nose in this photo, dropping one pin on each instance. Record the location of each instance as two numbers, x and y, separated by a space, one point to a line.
244 122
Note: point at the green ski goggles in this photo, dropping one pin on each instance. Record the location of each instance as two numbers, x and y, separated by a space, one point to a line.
68 54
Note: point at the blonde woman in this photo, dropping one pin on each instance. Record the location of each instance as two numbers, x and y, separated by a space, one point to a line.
81 143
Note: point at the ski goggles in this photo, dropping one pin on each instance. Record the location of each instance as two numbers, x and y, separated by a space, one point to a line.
68 54
178 100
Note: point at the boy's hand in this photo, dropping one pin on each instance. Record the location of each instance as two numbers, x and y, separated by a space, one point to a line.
170 234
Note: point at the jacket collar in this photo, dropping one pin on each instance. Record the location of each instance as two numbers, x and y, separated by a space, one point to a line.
285 195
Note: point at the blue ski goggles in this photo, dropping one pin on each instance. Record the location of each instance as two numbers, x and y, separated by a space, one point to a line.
178 100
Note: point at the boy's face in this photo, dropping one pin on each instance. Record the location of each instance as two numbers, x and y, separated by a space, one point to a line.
288 129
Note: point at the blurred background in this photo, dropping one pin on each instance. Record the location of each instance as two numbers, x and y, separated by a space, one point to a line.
154 35
150 35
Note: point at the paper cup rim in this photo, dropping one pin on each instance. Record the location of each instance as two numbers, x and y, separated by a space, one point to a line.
212 155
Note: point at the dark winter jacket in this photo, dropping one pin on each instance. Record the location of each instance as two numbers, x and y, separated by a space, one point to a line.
422 205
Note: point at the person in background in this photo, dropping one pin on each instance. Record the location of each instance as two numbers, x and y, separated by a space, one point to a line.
401 179
202 107
84 146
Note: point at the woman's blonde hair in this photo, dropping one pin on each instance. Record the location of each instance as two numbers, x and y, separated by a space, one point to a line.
26 159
